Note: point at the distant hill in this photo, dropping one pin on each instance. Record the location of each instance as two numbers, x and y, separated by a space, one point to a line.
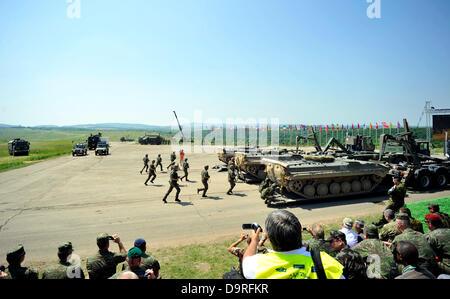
103 126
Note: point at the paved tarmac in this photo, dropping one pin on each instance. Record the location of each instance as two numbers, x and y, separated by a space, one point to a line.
75 198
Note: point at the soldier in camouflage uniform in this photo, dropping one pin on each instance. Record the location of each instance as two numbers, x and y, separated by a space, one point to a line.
103 264
15 258
318 241
205 178
173 184
434 209
133 260
185 166
159 162
173 157
397 198
64 269
415 224
147 261
427 256
354 266
267 194
390 230
151 173
146 160
264 184
439 239
378 258
231 179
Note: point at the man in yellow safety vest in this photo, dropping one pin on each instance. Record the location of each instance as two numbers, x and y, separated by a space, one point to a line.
288 259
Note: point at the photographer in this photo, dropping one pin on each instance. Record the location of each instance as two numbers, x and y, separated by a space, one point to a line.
103 264
288 259
239 252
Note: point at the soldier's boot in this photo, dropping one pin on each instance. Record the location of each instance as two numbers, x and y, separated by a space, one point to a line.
198 191
164 200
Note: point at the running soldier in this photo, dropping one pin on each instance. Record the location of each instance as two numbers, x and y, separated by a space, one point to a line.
151 173
146 160
158 162
185 166
205 178
231 178
173 184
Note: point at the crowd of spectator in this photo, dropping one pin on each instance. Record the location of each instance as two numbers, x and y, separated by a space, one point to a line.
397 250
132 264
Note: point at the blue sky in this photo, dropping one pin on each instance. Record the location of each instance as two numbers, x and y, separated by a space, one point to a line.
302 61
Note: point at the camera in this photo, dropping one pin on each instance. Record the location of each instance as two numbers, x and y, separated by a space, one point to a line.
253 226
304 229
110 238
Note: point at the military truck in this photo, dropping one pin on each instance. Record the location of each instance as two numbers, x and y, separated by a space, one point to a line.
18 147
80 149
151 139
414 161
93 140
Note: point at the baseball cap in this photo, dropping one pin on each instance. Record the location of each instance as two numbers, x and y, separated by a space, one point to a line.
360 223
402 216
102 236
16 252
335 234
139 242
371 230
66 246
348 222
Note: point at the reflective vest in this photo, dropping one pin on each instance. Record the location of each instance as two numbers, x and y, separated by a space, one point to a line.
274 265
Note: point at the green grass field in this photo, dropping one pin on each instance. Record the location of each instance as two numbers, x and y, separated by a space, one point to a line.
46 144
420 209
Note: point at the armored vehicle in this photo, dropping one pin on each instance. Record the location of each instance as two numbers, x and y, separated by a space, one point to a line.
321 176
253 164
80 149
151 139
93 140
102 148
228 153
18 147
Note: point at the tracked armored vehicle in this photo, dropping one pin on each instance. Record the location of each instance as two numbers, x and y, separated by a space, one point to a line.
316 177
254 165
228 153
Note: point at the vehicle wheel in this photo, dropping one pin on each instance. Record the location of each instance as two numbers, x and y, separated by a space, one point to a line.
423 180
441 179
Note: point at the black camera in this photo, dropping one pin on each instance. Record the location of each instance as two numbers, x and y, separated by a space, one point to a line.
253 226
304 229
110 238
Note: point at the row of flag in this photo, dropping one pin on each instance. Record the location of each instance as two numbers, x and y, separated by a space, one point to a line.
303 127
